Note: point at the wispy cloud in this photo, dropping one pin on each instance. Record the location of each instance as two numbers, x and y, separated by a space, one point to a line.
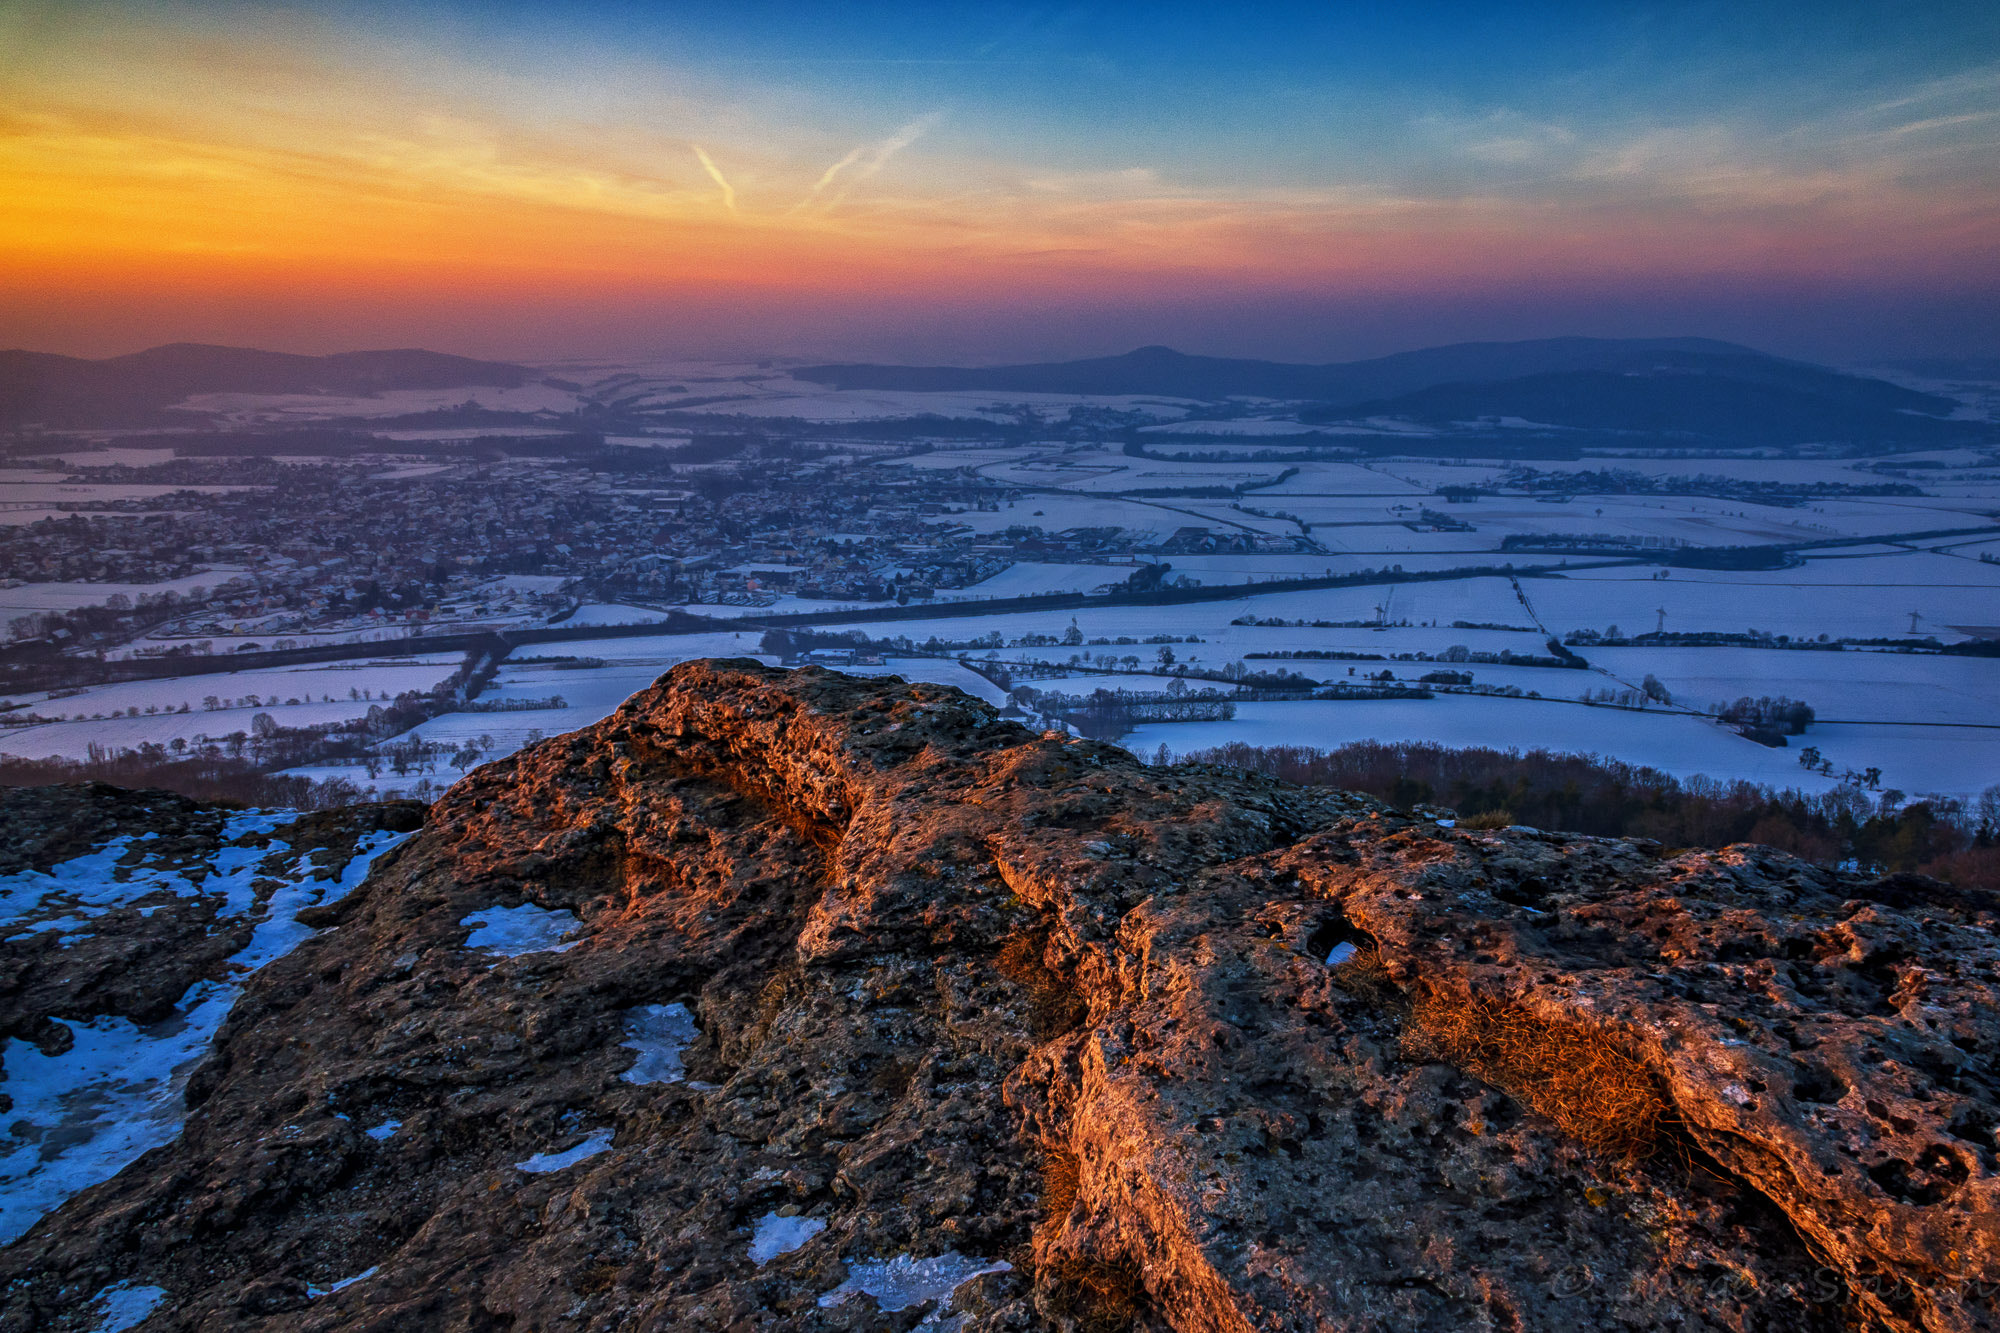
1981 82
865 161
715 173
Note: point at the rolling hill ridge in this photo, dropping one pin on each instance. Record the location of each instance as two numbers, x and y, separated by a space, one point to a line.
42 388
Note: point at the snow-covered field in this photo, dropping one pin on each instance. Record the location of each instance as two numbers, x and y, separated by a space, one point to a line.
117 716
1862 598
1845 686
1145 520
599 613
1674 742
28 597
1027 579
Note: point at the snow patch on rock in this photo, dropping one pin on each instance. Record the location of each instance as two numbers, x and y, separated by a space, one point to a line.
513 931
344 1283
903 1282
777 1235
544 1162
659 1032
78 1118
125 1306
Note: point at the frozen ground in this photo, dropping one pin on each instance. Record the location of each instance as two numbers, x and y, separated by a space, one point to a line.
1846 686
28 597
122 1306
903 1283
776 1235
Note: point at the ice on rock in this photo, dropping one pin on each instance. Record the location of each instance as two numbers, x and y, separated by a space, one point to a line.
903 1282
513 931
343 1284
659 1032
79 1117
92 883
125 1306
383 1130
544 1162
777 1235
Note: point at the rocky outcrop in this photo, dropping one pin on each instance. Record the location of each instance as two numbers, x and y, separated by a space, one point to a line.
135 955
990 1030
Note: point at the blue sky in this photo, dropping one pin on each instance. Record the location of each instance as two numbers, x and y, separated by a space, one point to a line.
1307 179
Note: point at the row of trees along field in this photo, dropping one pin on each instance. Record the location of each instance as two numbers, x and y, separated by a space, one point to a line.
1951 839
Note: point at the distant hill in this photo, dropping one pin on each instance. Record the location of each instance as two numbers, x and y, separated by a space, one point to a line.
1162 370
40 387
1683 385
1735 399
1984 369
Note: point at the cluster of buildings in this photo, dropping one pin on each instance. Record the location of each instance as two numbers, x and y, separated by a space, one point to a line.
304 549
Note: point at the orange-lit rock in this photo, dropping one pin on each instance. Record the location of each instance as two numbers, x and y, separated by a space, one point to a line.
965 990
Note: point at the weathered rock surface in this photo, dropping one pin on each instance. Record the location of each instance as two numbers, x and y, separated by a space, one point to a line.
129 923
136 959
965 993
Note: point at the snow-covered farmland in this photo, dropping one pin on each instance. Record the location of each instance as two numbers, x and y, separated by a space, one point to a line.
599 613
26 597
1677 743
118 717
1860 598
1844 686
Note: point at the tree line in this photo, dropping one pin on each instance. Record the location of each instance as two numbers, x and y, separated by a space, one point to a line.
1945 837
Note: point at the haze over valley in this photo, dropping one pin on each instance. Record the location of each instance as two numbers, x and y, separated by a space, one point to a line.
385 567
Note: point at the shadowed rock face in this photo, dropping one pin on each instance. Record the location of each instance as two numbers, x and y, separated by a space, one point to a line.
972 995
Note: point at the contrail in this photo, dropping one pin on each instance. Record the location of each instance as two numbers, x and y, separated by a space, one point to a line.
728 190
827 179
870 160
836 169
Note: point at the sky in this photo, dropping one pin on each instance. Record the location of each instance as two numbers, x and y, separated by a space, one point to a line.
988 182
